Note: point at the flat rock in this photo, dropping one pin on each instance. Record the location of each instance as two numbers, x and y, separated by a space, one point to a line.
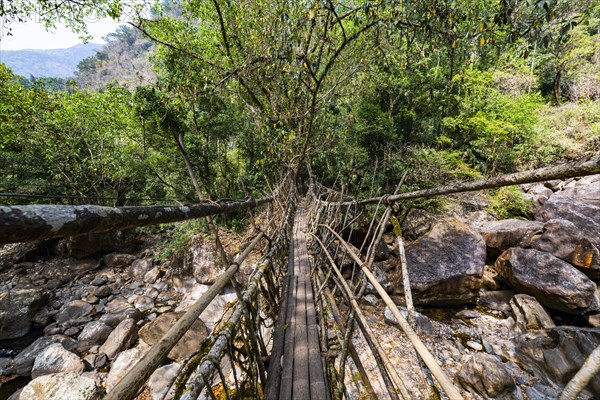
23 362
152 332
554 283
94 333
17 309
487 375
122 365
54 359
73 310
445 266
161 380
62 386
121 338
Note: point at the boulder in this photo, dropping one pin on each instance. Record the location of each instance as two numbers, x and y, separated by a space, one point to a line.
212 314
73 310
496 299
557 354
24 361
152 332
488 376
139 268
585 189
90 244
202 259
54 359
585 216
160 381
554 283
417 223
445 266
529 313
94 333
539 192
62 386
423 323
143 303
502 235
120 260
566 241
17 309
382 279
122 365
121 338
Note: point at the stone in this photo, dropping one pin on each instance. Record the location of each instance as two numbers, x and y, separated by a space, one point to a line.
540 192
140 267
586 189
556 284
417 223
475 345
73 310
54 359
160 381
556 354
103 291
119 260
490 280
202 258
152 332
17 310
497 300
62 386
44 316
382 279
566 241
23 362
529 313
585 216
144 303
122 365
468 314
121 338
486 375
594 320
424 325
90 244
113 319
445 266
93 333
382 252
212 314
96 361
371 299
152 275
502 235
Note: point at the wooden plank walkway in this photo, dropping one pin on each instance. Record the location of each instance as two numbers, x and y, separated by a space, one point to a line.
296 368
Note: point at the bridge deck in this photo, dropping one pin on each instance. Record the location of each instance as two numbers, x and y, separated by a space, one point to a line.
296 368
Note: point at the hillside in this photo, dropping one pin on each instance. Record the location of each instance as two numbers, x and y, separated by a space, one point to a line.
58 63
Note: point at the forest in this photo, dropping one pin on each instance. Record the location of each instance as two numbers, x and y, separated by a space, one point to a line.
353 93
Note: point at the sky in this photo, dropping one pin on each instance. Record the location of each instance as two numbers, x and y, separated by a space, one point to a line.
33 35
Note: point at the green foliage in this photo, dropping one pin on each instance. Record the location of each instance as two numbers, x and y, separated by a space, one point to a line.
175 247
508 202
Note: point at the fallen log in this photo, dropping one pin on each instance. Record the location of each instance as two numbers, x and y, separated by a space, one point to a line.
43 221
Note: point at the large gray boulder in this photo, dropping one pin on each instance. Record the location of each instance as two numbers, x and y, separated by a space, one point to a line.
554 283
488 376
54 359
529 313
73 311
152 332
17 309
502 235
445 266
585 216
62 386
566 241
23 362
585 189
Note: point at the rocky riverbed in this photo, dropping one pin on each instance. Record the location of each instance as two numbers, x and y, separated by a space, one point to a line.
509 308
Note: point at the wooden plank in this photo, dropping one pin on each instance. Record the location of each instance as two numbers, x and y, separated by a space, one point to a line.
274 371
285 387
301 374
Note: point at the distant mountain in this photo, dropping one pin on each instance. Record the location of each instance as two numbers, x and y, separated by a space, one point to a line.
56 63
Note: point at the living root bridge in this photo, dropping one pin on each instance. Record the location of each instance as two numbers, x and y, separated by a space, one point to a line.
574 169
31 222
